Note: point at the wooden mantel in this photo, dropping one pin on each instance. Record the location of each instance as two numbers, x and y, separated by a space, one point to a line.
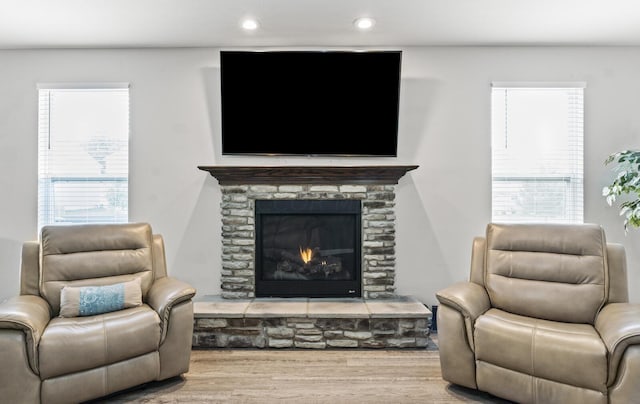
315 175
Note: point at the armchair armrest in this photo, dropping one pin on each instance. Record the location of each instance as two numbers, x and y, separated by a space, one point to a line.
468 298
619 327
30 314
164 294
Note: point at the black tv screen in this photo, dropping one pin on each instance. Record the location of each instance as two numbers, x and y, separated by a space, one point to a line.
312 103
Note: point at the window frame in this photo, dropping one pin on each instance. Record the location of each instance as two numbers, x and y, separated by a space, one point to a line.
48 178
575 183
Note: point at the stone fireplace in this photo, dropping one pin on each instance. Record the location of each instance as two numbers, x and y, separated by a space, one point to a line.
371 188
329 234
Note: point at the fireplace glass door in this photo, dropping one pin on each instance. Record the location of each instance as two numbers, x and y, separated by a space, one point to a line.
308 248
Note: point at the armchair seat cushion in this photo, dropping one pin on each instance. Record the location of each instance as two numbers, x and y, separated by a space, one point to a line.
70 345
568 353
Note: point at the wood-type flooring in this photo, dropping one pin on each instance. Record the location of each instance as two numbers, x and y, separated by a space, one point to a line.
306 376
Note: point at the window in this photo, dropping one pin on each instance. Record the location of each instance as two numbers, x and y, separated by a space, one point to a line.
83 154
537 152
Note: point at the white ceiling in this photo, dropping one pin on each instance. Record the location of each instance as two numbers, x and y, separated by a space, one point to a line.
324 23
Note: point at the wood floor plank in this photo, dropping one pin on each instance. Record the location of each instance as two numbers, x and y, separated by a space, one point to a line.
306 376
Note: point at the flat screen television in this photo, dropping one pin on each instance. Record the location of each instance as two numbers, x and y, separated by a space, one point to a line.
310 103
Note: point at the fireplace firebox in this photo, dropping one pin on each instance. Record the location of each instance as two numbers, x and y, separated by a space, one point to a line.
308 248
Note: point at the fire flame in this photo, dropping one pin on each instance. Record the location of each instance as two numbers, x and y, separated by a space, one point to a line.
306 254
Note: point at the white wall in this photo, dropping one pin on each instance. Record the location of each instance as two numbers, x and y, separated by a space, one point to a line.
444 128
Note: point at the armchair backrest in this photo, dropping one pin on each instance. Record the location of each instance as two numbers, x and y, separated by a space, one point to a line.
548 271
94 254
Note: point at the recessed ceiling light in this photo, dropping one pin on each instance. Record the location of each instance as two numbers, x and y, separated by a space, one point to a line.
364 23
250 24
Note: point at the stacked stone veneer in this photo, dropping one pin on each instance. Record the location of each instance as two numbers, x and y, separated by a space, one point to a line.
314 333
238 233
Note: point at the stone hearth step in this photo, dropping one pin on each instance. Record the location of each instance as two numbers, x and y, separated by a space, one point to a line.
400 322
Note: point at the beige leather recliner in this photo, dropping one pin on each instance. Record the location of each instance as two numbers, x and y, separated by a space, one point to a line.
52 359
544 318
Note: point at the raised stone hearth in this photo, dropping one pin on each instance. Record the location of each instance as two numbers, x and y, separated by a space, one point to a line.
401 322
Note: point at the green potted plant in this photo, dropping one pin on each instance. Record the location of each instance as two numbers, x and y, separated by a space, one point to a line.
627 182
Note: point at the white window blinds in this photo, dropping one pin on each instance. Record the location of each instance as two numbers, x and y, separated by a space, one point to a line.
537 153
83 154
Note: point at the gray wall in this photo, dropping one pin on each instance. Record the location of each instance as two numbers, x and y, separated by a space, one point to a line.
444 127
